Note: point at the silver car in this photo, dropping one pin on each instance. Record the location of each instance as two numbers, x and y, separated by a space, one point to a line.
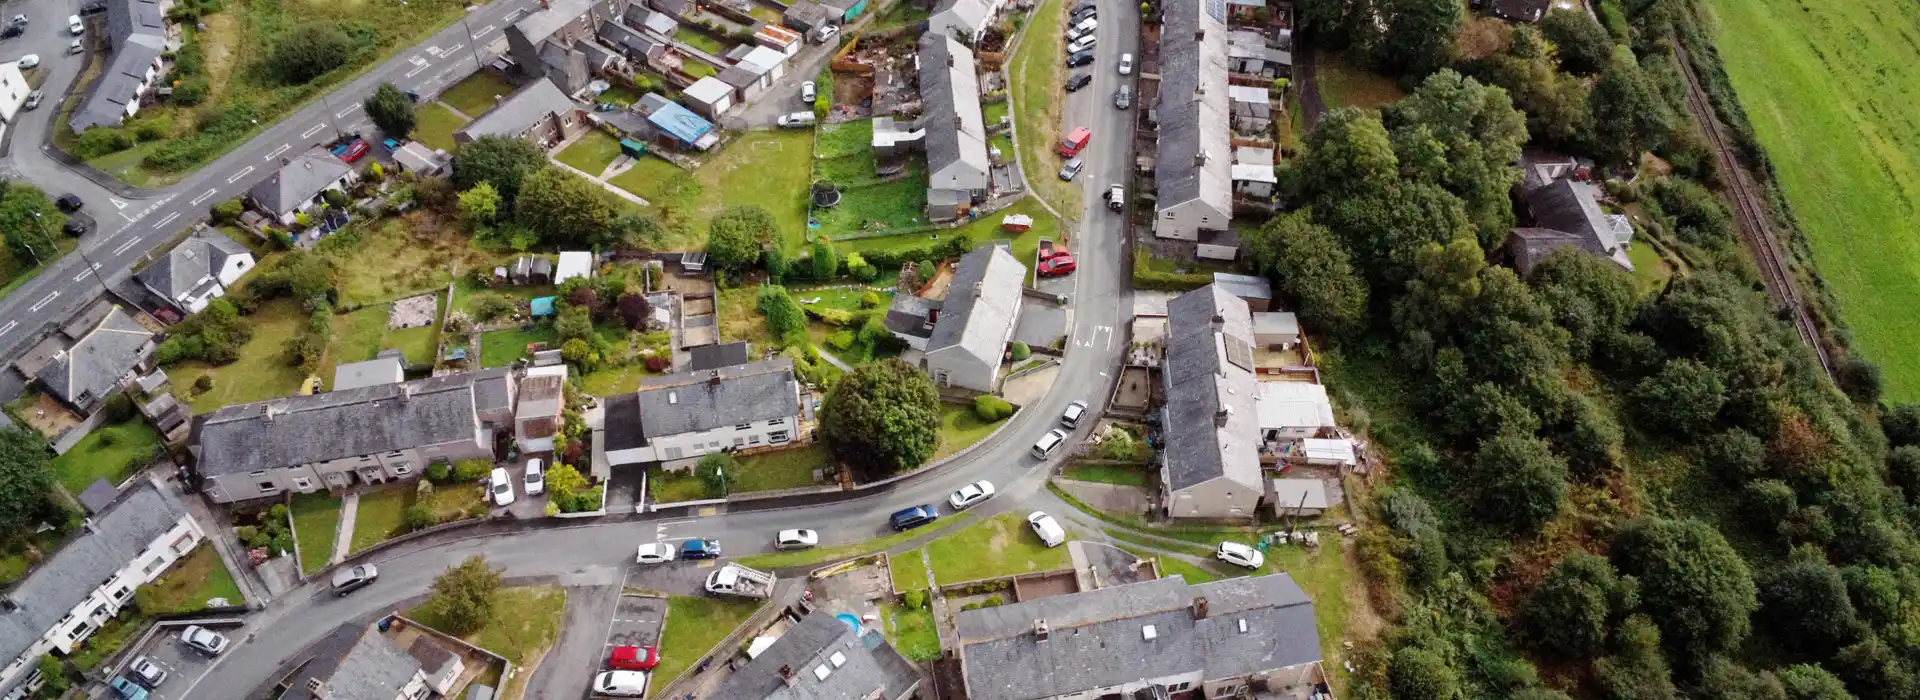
1071 169
204 640
354 578
1123 98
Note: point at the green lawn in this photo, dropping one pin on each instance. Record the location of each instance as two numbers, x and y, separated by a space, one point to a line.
786 469
434 124
316 522
260 373
845 139
1002 545
501 348
694 626
1345 84
1121 474
674 486
1045 225
525 623
960 428
1823 87
362 334
699 40
770 168
911 630
1172 566
846 551
865 210
476 94
620 95
191 582
404 256
1650 271
908 570
378 516
592 153
112 452
1039 75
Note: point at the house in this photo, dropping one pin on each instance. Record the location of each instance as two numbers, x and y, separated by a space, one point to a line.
1255 290
689 414
439 665
573 263
976 320
1293 410
708 97
1566 214
1521 10
1253 175
967 19
537 418
133 540
642 46
1192 173
136 37
421 159
821 658
198 270
388 367
551 43
910 318
1251 53
339 439
706 357
655 22
754 70
539 113
956 135
1252 112
1276 329
300 185
1218 639
99 362
13 90
357 662
1211 466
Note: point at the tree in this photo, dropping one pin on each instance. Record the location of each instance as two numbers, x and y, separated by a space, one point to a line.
391 110
1419 35
1805 605
826 265
579 353
1474 134
783 313
564 208
777 262
1731 681
27 238
1571 610
462 598
1348 153
1636 670
634 310
1418 674
716 472
636 231
24 478
1692 583
1809 682
1315 273
881 418
307 52
1590 297
481 203
1579 41
1524 480
574 323
1902 425
737 235
1555 103
504 161
1386 229
1875 670
53 673
1628 117
1682 399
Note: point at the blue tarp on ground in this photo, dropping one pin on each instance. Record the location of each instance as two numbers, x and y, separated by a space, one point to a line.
542 307
683 125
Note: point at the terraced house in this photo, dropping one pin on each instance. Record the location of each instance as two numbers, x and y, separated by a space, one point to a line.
1193 170
136 38
679 417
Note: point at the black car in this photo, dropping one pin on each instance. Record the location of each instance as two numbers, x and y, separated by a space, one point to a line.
1083 5
913 517
1079 59
75 228
1078 81
12 30
69 203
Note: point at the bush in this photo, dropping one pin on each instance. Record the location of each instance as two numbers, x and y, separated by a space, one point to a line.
1019 351
203 384
717 473
870 300
102 140
439 472
991 408
914 599
278 513
119 408
840 340
315 51
250 536
416 517
471 469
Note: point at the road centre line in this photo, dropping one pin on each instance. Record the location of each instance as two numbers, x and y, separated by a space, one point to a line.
10 326
310 132
349 110
275 153
204 196
243 173
122 250
168 220
37 306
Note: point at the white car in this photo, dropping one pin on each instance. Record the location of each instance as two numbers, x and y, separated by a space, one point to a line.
501 486
31 60
971 495
1240 555
1084 28
1047 528
74 25
1078 409
204 640
796 539
621 684
807 92
536 477
655 553
1126 64
1082 43
797 120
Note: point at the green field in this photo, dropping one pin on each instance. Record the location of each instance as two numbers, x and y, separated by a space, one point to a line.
1830 89
592 153
768 168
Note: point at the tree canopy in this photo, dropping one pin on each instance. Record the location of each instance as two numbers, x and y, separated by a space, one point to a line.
737 234
391 110
1692 583
502 160
881 418
1314 272
24 478
462 598
564 208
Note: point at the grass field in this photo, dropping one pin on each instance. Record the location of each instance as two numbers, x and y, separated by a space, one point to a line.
362 334
476 94
960 428
1107 474
434 125
694 626
786 469
110 452
699 40
1002 545
501 348
378 515
909 571
1039 79
191 582
1824 86
316 520
912 631
402 256
592 153
260 373
1345 84
768 168
1045 225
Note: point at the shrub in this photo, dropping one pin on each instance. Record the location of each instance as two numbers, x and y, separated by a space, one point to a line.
1019 351
249 535
439 472
914 599
870 300
991 408
472 469
278 513
281 544
417 517
101 140
840 340
313 51
204 384
717 473
487 307
119 408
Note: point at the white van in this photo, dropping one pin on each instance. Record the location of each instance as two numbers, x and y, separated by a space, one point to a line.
500 486
1046 528
1048 443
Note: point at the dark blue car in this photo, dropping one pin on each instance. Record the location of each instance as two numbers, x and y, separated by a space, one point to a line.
914 517
700 549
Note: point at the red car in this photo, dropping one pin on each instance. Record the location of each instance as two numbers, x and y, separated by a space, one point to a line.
1057 264
634 658
351 151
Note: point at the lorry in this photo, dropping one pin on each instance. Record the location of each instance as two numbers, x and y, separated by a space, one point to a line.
734 579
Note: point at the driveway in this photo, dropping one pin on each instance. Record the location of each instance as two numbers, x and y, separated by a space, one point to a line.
184 666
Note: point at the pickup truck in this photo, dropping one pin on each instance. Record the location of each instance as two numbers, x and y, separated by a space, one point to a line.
734 579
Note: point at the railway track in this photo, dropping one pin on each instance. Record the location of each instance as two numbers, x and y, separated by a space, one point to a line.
1753 222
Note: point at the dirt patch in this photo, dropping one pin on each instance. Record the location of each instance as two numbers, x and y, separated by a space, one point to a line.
937 289
696 307
47 416
412 312
223 29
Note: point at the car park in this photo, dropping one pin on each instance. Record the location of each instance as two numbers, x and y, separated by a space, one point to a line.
1072 169
1046 528
31 60
1048 443
1079 59
910 518
536 478
1085 43
349 150
795 539
354 578
655 553
697 548
145 672
1126 64
1240 555
971 495
1071 417
1116 197
74 25
1079 80
126 689
1123 97
633 658
203 640
501 486
807 91
621 684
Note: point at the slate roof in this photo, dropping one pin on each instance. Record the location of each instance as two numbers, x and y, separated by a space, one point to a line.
197 258
1096 638
654 21
718 356
297 430
739 77
303 177
633 44
92 367
1193 109
537 100
815 641
956 138
116 536
805 13
542 23
126 18
982 303
1530 246
98 496
366 666
1572 207
964 15
386 368
1207 330
490 392
1521 10
432 657
119 85
690 402
621 423
1244 286
908 315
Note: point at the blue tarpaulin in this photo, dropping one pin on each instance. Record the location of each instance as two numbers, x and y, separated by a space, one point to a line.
676 121
542 307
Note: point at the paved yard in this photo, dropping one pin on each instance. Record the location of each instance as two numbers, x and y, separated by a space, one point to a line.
184 666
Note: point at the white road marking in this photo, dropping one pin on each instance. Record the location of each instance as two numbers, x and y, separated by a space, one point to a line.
433 51
275 153
349 110
204 196
416 71
484 31
117 204
83 273
122 250
10 326
310 132
168 220
243 173
44 302
451 49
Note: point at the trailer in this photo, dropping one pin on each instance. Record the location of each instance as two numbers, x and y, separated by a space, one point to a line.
737 580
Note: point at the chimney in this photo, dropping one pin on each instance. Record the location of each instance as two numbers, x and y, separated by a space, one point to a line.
1220 416
269 413
1198 34
406 393
715 379
318 688
1040 631
958 124
1200 608
285 161
786 673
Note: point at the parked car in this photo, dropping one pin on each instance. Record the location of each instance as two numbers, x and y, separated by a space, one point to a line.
795 539
621 684
12 30
633 658
1085 43
1083 13
1056 261
1079 80
911 518
1116 197
501 486
655 553
1075 140
29 61
350 150
33 99
126 689
824 32
1071 417
807 91
1083 28
1126 64
536 479
1048 529
75 26
1072 169
1079 59
76 47
797 120
69 202
971 495
145 672
354 578
1049 442
700 549
1083 4
1123 97
1239 555
204 640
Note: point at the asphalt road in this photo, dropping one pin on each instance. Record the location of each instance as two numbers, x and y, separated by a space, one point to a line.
134 226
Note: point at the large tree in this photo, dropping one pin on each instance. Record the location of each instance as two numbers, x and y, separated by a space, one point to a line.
1692 583
1386 228
502 160
1628 116
1581 44
308 51
391 110
1419 35
1315 273
737 235
462 598
563 208
1589 296
881 418
1682 399
1573 608
1464 136
1804 604
1347 153
1809 682
24 478
1522 481
29 239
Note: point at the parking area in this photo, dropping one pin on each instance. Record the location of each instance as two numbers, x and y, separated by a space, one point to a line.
163 647
637 621
525 506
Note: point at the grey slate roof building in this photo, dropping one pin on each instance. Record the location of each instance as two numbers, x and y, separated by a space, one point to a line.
707 357
297 183
191 268
912 317
1571 208
692 402
1160 632
85 374
1193 165
355 662
121 84
519 112
820 658
388 367
976 319
297 430
1212 459
956 134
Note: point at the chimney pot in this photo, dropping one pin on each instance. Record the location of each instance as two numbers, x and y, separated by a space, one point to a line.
1040 631
1200 608
786 671
1198 34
